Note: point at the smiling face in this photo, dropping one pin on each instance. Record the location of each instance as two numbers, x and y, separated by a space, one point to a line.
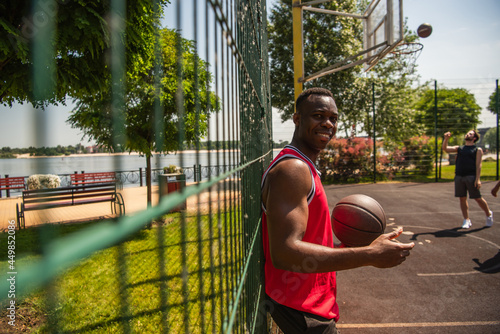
315 124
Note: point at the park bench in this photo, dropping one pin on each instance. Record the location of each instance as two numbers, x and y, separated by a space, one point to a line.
92 178
40 199
9 183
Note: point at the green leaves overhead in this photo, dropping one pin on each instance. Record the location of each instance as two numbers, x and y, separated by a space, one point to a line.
80 45
93 113
457 111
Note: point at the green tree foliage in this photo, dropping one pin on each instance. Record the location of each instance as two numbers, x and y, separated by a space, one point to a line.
81 45
493 103
490 139
458 112
144 131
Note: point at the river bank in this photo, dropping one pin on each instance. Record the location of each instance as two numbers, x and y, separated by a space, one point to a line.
28 156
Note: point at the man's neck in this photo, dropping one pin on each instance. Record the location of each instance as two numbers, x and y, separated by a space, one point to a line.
307 151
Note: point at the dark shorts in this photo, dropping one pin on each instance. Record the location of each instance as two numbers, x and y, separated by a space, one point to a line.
292 321
464 184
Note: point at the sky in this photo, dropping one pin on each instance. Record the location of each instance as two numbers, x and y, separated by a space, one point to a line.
462 51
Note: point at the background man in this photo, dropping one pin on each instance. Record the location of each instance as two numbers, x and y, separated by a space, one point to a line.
467 175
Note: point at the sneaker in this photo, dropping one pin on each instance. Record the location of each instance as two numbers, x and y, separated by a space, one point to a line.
467 223
489 220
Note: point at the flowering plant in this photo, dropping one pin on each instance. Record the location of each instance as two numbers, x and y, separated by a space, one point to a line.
43 181
345 159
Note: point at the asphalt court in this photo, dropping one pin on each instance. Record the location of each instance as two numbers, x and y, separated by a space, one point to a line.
451 281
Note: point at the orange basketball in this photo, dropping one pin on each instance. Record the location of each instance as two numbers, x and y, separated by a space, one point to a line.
424 30
357 220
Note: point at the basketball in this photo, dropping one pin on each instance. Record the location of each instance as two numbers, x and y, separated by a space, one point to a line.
424 30
357 220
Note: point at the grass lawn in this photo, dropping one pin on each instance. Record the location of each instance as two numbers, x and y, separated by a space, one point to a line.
186 296
488 172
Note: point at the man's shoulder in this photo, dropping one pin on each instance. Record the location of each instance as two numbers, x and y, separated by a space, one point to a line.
289 166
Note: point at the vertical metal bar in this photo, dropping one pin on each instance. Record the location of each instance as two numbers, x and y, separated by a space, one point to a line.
225 131
159 120
179 98
234 247
44 73
374 136
211 233
298 48
217 31
498 134
159 140
435 128
118 77
201 285
140 176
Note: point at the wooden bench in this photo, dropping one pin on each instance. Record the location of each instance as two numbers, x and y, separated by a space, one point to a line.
92 178
72 195
9 183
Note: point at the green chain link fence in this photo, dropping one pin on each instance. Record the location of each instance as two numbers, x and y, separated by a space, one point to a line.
157 271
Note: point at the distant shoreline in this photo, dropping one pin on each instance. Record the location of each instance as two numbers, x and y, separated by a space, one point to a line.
28 156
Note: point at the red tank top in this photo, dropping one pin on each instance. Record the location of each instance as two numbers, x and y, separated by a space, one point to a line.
314 293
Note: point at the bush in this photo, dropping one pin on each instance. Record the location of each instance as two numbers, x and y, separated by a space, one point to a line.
41 181
346 160
172 169
415 155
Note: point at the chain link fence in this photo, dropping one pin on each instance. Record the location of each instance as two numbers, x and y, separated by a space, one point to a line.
456 106
163 270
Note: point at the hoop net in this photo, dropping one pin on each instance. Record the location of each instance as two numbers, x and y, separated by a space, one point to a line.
407 54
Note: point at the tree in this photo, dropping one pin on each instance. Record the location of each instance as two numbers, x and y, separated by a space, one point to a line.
490 139
141 133
493 104
327 40
80 45
458 111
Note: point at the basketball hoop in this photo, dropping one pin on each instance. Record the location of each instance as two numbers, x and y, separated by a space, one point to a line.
407 54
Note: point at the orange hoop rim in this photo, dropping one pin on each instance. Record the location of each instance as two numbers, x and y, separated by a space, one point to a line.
407 48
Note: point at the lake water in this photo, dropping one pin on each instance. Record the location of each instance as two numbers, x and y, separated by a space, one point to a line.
89 163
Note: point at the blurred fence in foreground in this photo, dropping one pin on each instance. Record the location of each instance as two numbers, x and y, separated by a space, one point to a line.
197 271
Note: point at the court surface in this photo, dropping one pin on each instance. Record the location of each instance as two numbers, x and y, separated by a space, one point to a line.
451 281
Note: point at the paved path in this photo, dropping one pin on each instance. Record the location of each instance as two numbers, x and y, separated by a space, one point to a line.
134 198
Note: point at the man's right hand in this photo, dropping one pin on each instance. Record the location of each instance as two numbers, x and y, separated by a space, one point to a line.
447 134
388 252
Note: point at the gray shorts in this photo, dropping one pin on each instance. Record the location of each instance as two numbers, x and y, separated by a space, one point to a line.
464 184
292 321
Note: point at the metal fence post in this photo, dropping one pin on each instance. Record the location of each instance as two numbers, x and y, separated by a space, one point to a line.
374 138
435 129
7 191
496 111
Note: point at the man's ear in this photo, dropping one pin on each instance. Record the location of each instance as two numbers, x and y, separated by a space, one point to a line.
296 118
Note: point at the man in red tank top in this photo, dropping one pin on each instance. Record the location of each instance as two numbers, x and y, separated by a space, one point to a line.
300 258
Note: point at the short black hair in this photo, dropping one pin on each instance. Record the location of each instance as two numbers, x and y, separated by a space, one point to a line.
311 91
476 136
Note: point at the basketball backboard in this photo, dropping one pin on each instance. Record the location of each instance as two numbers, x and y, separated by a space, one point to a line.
383 31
